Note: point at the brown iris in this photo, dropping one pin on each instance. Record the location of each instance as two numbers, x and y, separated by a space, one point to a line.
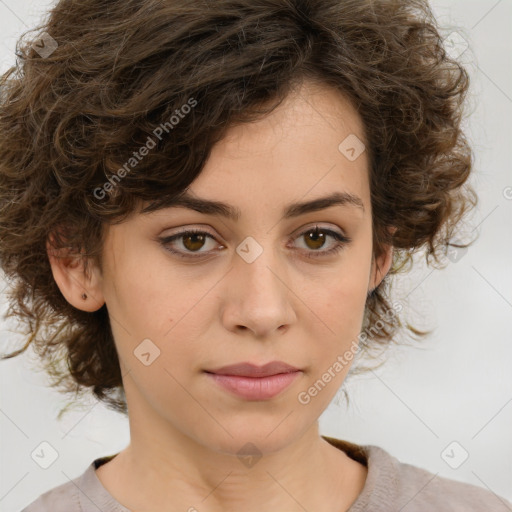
315 236
193 245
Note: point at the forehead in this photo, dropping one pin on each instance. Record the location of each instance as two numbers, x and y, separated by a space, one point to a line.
294 149
293 156
314 115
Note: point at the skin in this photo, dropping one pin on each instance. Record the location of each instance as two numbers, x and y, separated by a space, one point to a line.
218 310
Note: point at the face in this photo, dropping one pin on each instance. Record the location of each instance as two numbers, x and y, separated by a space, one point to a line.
263 287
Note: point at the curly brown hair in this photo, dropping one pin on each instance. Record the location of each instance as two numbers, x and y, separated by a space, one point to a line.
78 104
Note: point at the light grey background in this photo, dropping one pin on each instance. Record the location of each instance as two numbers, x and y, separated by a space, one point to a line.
457 388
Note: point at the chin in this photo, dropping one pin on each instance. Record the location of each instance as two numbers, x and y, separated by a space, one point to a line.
251 439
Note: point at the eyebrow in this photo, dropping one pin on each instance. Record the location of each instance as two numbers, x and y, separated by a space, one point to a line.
210 207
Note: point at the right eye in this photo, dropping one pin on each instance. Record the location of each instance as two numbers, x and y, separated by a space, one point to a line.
192 239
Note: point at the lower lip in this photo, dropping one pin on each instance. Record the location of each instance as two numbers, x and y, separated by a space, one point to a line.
255 388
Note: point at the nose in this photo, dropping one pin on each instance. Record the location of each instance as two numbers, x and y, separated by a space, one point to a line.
258 294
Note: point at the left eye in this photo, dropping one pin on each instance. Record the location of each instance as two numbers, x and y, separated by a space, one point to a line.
193 240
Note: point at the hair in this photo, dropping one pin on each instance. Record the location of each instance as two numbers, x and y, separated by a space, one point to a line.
175 75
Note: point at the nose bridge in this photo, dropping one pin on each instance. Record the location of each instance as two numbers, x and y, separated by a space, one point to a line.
258 286
257 266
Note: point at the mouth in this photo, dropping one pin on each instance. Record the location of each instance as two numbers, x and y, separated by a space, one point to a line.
253 370
252 382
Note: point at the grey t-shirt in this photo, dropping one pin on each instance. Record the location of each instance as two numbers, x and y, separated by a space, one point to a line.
390 486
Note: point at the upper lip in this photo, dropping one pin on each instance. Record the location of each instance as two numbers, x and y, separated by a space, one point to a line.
252 370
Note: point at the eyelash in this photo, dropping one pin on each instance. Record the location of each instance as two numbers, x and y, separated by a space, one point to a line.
340 239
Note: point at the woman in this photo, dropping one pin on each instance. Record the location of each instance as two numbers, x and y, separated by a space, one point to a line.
212 196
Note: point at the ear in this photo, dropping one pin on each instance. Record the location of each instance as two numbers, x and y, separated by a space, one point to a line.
81 289
381 265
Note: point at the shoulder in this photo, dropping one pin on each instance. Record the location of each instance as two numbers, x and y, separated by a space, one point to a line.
419 490
84 493
393 485
425 490
63 498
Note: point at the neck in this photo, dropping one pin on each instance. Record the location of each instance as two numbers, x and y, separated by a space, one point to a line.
307 474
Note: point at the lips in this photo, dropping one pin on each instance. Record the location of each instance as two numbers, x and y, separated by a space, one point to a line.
252 370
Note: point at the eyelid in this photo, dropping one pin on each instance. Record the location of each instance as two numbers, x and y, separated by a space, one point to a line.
203 229
318 225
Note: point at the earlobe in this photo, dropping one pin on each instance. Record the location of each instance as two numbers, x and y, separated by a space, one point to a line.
81 290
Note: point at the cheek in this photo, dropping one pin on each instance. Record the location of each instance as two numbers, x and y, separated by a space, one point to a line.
342 288
173 314
333 338
340 310
336 304
144 288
